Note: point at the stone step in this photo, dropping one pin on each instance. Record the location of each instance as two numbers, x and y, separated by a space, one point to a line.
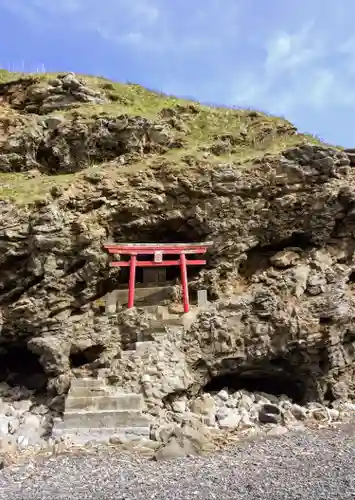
114 402
156 310
159 332
163 324
103 418
88 382
84 392
83 436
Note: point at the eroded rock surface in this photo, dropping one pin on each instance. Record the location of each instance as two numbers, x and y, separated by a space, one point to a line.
279 277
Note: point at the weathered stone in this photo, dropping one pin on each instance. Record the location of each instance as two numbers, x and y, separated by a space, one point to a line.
285 259
269 414
8 453
22 406
245 422
4 426
179 405
333 414
164 433
299 412
230 420
320 414
205 405
261 397
171 450
245 401
232 403
202 300
223 395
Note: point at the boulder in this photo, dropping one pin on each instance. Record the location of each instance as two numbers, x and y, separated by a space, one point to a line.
185 441
205 405
229 421
270 414
173 449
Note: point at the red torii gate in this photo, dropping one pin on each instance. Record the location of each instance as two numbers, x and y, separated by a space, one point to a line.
158 250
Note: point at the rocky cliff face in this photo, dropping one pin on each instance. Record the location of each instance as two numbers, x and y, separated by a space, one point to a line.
84 161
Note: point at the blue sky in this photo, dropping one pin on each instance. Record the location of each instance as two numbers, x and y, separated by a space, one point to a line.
295 59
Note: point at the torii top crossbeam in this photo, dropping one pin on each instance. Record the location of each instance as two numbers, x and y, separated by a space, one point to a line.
158 250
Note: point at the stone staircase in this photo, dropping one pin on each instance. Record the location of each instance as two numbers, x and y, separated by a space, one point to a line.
163 324
95 411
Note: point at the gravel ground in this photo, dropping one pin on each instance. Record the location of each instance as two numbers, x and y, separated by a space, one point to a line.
313 465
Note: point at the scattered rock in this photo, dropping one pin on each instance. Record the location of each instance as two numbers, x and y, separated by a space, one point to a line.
172 449
179 406
115 440
230 420
285 258
334 414
205 404
320 414
269 414
8 453
299 412
223 395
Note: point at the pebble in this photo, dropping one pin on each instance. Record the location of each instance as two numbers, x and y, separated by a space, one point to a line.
315 465
333 414
299 412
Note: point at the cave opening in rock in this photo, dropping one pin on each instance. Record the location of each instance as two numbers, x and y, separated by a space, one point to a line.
157 284
82 357
157 276
276 382
177 229
258 258
328 395
19 367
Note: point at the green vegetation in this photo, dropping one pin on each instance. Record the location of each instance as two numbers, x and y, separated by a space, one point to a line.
24 190
234 135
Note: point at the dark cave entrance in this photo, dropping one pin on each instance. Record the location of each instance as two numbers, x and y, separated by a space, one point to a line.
258 258
268 378
81 357
177 229
19 367
157 276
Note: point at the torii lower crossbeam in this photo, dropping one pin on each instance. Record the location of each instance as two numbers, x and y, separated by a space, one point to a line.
159 250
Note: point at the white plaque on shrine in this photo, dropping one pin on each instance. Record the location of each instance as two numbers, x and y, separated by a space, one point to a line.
158 256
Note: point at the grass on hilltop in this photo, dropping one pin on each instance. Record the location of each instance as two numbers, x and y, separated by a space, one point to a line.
256 133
